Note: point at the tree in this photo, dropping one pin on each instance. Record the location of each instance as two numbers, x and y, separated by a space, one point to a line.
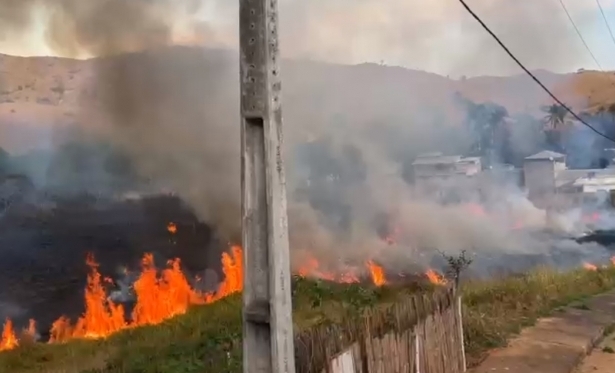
527 137
487 123
555 123
555 118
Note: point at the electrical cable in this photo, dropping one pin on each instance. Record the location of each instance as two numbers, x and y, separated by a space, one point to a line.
528 72
579 34
606 22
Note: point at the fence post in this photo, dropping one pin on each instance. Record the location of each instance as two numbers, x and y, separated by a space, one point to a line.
460 318
417 349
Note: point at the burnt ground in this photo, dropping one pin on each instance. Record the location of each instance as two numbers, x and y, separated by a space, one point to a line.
44 242
603 237
43 250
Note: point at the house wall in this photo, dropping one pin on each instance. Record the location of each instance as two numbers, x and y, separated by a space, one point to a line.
558 166
469 167
433 169
539 177
447 188
465 166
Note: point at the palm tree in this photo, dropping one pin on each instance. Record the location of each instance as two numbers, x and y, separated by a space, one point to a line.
555 117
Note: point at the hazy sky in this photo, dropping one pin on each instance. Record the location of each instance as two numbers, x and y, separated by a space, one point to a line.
432 35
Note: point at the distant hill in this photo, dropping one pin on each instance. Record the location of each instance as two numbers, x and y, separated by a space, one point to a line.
43 93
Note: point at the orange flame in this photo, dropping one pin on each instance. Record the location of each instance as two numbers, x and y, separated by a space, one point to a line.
434 277
377 273
232 267
9 339
172 228
590 267
159 297
311 268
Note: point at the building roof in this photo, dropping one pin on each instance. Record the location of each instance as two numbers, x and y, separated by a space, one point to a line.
584 176
545 155
437 159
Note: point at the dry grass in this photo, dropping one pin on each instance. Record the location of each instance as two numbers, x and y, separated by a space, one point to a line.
494 311
208 339
591 91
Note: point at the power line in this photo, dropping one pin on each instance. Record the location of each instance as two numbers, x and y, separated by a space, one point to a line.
606 22
579 33
528 72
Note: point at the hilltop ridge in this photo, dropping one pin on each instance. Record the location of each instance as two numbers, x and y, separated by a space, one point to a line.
46 92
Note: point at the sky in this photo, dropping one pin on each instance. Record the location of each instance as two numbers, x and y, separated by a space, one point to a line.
431 35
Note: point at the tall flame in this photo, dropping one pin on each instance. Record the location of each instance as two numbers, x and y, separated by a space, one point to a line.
311 268
158 297
9 339
434 277
590 267
377 273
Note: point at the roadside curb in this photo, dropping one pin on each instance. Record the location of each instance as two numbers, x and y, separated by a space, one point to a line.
555 344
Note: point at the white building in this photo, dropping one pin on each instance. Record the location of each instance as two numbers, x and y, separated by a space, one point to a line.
438 166
550 184
439 175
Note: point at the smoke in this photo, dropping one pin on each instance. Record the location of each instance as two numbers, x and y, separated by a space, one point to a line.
352 132
97 28
439 36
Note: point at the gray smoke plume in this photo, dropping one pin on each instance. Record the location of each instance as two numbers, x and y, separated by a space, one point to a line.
151 104
351 131
439 36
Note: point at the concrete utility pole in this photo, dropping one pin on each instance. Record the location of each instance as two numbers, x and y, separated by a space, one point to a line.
268 345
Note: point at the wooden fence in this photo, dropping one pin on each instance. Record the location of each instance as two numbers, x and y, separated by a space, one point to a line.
422 334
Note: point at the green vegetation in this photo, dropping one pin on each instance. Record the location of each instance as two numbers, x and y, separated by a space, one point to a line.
208 338
496 310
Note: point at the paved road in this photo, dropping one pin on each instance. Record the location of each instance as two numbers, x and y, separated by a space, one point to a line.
602 358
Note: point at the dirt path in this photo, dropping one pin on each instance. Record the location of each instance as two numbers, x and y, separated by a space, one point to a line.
601 359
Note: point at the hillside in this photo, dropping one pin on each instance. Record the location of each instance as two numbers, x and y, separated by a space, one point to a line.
43 93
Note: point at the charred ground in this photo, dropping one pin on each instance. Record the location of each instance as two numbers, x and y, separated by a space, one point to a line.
43 251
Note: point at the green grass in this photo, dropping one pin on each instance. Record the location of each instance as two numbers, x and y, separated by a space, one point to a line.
494 311
208 338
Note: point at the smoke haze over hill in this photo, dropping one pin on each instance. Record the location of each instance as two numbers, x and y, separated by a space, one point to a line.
436 36
351 130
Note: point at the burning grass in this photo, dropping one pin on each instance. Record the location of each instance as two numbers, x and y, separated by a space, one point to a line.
207 337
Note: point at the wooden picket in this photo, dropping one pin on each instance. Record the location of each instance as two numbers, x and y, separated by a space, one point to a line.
422 334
